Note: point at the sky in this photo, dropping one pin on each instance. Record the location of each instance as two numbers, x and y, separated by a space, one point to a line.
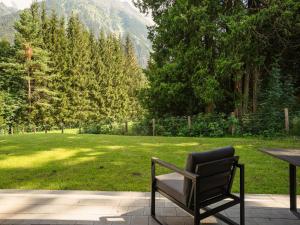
21 4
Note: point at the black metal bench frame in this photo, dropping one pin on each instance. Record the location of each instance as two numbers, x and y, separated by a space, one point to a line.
234 200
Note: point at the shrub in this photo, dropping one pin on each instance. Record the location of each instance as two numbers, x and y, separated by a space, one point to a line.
210 125
142 128
170 126
203 125
296 126
105 127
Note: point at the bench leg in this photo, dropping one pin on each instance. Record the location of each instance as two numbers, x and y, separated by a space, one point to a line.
152 202
293 191
242 213
197 217
196 202
153 188
242 195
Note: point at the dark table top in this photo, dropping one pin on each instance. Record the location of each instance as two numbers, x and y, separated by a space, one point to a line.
292 156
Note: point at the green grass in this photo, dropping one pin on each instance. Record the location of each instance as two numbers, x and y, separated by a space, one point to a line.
120 163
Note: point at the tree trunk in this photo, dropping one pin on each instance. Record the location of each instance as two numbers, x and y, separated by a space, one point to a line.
238 95
246 91
210 108
10 129
29 97
29 89
255 89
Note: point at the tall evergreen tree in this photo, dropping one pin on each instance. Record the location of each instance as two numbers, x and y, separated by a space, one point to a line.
57 46
99 74
114 90
35 62
135 80
11 87
78 70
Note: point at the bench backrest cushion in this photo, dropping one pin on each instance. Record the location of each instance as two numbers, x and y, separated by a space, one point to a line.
214 168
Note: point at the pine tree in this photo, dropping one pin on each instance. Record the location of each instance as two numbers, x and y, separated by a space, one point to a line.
35 62
78 71
57 46
11 87
135 80
115 96
98 74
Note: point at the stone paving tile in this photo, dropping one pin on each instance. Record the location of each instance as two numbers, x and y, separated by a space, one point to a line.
96 210
135 202
262 221
125 208
169 204
59 222
249 221
180 212
119 220
134 211
99 202
4 222
151 221
139 220
175 220
87 222
102 221
160 203
262 213
168 212
147 211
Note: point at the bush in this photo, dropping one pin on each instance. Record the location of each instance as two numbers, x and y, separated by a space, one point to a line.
104 128
263 124
296 126
202 125
143 128
210 125
171 126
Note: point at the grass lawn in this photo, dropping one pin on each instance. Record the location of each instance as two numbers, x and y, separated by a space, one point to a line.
120 163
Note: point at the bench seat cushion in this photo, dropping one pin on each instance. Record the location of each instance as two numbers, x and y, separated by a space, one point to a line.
172 184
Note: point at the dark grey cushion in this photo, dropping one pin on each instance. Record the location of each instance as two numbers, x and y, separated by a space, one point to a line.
203 157
172 184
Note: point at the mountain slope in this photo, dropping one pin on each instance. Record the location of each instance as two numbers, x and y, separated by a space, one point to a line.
8 16
111 16
5 10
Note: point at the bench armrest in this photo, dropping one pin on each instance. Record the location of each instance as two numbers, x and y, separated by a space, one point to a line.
174 168
242 180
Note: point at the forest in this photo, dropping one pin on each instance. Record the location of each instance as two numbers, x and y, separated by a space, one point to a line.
222 55
224 59
57 73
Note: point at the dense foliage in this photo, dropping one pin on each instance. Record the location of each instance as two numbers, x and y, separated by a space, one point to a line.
231 65
203 125
57 75
223 56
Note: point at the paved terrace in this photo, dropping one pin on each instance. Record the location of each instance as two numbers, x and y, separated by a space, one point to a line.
130 208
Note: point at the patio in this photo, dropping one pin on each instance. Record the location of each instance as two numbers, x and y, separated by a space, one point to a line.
131 208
